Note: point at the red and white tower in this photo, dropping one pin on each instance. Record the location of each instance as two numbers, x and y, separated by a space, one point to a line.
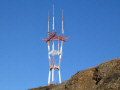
52 37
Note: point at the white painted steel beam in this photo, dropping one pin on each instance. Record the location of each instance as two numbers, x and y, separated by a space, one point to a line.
49 77
52 76
59 76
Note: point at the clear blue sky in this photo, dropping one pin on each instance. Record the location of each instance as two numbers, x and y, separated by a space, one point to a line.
92 25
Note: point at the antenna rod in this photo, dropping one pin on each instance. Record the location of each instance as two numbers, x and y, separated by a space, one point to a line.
62 24
53 18
48 23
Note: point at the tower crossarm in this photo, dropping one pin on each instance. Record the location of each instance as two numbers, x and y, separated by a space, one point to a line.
54 67
61 38
49 38
56 37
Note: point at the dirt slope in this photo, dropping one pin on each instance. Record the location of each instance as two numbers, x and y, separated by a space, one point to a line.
105 76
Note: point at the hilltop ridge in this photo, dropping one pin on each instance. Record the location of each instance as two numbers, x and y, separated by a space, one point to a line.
105 76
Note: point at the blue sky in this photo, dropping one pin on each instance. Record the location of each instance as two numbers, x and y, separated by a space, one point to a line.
92 25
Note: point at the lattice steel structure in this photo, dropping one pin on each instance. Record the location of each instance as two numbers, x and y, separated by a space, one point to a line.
52 37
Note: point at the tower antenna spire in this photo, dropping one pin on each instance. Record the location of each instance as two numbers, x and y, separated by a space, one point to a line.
53 18
48 23
62 24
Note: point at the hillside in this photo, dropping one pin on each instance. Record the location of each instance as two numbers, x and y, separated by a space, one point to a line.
105 76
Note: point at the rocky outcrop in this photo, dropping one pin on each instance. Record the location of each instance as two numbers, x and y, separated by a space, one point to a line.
105 76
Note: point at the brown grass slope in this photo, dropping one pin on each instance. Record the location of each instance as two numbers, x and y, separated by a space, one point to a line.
105 76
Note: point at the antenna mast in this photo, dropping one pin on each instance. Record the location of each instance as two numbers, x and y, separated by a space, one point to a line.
51 53
53 18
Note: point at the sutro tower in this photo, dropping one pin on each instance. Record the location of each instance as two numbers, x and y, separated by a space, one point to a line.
51 53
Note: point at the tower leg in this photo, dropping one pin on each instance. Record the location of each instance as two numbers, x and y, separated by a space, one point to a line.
59 76
49 77
52 76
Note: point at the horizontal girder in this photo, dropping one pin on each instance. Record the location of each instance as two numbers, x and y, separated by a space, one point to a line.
54 52
55 37
54 67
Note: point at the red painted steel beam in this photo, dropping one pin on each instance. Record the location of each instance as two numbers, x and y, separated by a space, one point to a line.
56 37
